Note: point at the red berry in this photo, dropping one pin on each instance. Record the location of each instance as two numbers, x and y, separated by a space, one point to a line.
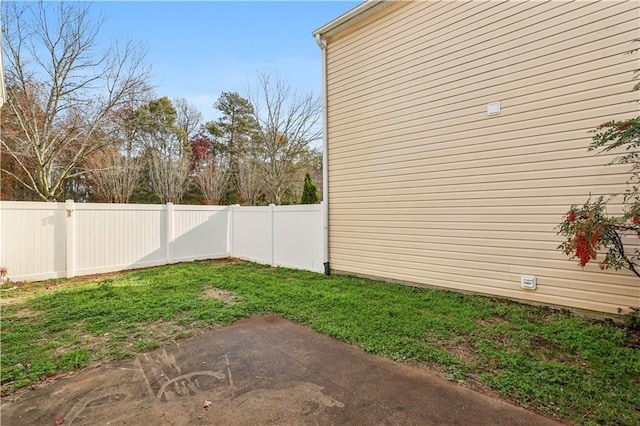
571 216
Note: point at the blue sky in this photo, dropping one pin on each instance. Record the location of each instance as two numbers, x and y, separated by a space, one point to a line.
199 49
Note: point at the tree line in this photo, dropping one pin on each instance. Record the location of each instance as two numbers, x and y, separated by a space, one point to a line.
81 121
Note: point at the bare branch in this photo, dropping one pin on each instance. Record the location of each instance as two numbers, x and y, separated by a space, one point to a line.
61 90
250 183
288 123
116 176
212 181
189 118
168 176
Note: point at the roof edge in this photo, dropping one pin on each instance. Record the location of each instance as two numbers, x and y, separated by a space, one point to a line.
353 17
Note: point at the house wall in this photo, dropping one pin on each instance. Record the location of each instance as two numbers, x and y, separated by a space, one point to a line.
425 187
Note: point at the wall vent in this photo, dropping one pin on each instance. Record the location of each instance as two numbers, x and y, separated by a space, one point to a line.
493 108
528 282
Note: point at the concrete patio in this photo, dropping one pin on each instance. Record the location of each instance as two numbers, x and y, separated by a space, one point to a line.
263 370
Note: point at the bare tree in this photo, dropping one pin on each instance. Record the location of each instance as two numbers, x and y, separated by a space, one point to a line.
189 118
212 180
288 123
60 91
115 176
168 176
250 183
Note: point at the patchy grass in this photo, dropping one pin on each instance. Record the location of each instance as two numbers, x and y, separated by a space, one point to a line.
547 360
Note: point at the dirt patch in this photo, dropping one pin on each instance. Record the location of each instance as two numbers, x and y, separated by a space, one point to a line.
11 295
503 341
226 296
543 344
550 351
149 337
95 343
464 351
226 261
97 277
482 322
157 334
634 338
27 313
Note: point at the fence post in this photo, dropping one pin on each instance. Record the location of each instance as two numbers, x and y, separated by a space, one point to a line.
169 230
230 232
272 233
70 239
230 229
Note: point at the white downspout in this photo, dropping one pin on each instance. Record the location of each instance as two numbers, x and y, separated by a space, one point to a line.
322 43
3 95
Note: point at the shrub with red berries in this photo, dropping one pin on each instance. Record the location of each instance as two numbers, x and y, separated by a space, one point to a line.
588 229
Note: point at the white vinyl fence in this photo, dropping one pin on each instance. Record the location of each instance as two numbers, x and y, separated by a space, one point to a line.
51 240
288 236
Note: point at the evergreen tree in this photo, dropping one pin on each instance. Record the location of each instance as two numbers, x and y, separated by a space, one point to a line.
310 192
232 131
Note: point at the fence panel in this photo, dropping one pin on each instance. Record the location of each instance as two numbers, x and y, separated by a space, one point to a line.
115 237
251 233
199 232
298 237
32 239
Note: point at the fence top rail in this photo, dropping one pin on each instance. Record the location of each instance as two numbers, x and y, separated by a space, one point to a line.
287 208
30 205
120 207
189 207
299 208
41 205
250 209
147 207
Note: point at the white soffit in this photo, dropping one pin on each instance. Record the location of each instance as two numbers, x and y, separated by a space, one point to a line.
353 17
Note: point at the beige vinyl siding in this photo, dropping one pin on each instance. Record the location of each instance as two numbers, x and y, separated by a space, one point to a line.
425 188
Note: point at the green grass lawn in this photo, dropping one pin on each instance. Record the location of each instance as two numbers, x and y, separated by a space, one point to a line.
548 360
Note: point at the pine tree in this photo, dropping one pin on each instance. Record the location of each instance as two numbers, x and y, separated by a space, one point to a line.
310 192
233 131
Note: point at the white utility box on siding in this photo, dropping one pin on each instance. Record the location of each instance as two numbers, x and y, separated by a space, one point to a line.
493 108
528 282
